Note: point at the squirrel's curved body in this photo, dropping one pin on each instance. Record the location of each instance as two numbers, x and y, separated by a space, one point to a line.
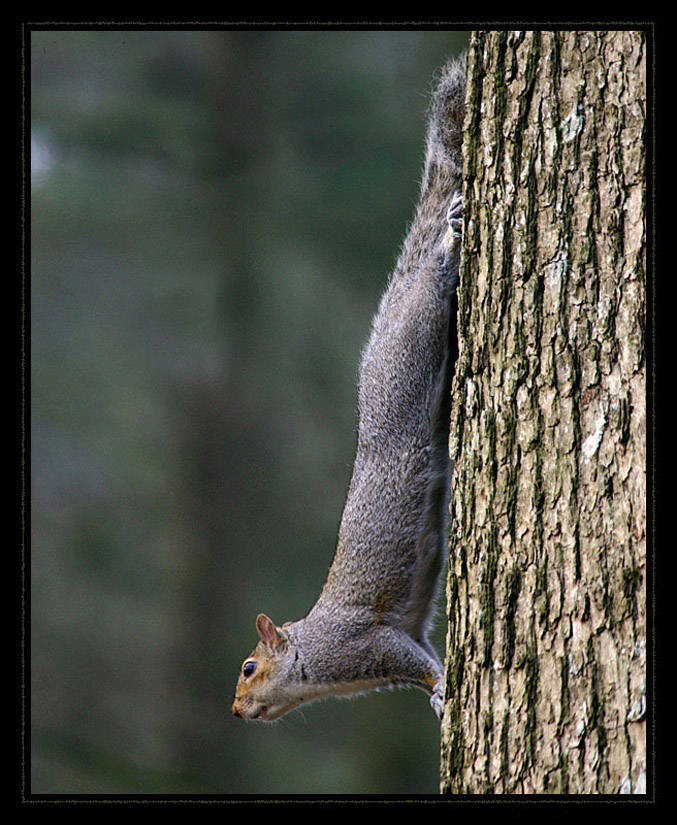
369 626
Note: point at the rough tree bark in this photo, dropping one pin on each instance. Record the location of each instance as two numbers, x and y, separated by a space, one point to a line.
546 689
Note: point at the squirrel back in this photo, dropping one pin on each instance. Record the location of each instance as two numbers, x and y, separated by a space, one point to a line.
369 627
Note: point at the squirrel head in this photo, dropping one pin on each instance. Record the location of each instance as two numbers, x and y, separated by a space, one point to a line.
265 687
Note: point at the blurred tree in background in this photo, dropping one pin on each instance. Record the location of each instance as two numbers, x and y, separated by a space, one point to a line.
213 216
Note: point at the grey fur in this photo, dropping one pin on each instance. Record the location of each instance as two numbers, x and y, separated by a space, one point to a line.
369 627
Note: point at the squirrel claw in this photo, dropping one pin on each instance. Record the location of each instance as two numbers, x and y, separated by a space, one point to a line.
453 233
455 211
436 702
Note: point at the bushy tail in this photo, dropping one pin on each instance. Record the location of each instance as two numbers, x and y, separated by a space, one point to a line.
445 129
442 173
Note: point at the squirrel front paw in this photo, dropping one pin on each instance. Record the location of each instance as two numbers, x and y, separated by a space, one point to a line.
436 700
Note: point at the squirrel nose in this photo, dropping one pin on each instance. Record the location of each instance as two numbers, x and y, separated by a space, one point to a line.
235 711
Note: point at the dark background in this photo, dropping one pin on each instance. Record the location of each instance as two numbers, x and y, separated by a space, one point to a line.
213 217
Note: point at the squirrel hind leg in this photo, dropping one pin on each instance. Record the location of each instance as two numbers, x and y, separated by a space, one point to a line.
452 237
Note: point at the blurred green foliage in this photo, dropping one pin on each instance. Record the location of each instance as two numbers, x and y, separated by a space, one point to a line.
213 216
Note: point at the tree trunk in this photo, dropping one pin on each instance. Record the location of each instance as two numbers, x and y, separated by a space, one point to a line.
546 689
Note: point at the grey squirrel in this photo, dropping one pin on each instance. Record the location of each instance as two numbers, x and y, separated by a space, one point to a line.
369 627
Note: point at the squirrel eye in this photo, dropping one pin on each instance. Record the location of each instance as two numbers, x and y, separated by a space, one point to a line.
248 668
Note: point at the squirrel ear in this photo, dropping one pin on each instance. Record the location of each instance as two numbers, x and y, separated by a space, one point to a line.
270 635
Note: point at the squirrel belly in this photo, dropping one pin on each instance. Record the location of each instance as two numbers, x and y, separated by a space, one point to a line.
369 627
